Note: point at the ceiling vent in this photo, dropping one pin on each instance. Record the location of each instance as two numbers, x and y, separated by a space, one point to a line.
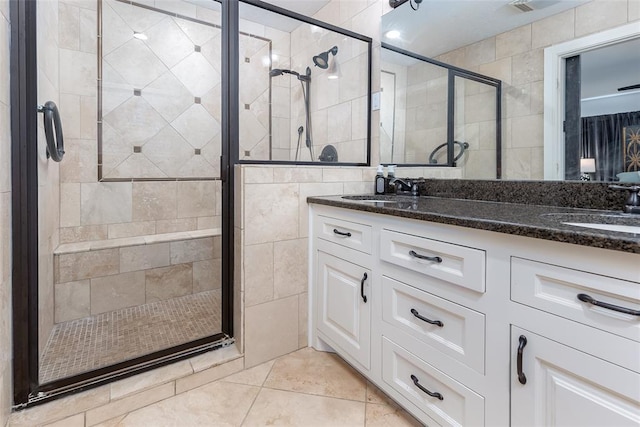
531 5
521 5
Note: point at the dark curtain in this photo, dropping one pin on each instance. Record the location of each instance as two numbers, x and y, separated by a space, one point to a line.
602 140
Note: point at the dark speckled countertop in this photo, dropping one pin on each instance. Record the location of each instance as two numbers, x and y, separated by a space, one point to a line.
538 221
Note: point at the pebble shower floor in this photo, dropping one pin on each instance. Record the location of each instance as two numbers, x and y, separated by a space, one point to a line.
95 342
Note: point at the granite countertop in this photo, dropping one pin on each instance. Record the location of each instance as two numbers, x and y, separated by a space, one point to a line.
541 222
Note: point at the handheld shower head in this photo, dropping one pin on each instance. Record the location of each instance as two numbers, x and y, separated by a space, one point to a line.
322 59
275 72
300 130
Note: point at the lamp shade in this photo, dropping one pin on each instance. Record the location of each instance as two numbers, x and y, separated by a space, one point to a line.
587 165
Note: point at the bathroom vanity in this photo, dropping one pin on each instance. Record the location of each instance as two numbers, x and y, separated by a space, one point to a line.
480 313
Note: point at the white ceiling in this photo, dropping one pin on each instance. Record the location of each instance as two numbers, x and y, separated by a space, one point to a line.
439 26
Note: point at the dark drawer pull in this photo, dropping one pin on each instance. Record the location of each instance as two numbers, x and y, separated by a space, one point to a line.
424 319
364 297
586 298
521 376
416 382
341 233
428 258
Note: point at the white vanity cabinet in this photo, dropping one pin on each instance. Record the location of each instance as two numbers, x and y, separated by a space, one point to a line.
446 307
342 275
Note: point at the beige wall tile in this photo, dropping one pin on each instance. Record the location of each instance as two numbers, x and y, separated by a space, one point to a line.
341 174
105 203
192 250
270 204
146 380
196 198
169 282
69 26
78 71
258 273
209 375
554 29
69 205
85 265
130 229
513 42
154 200
598 15
258 175
290 270
83 233
175 225
527 67
81 161
119 291
297 174
144 257
271 330
128 404
314 189
72 300
207 275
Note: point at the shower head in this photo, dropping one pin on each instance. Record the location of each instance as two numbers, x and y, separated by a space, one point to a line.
275 72
322 59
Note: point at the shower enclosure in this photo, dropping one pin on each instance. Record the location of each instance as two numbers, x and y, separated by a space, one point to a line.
128 241
127 238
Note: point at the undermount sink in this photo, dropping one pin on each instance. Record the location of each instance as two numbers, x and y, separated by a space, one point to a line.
614 221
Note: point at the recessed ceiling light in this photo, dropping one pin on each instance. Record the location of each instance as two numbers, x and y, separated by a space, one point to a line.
393 34
140 36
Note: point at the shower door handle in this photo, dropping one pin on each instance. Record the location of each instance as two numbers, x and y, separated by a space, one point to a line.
223 169
52 130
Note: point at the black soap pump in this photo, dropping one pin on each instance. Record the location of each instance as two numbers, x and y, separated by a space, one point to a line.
379 187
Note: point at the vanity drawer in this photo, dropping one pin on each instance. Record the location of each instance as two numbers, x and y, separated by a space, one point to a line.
345 233
401 370
555 290
460 333
459 265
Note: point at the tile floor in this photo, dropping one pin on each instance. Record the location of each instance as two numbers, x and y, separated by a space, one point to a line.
304 388
94 342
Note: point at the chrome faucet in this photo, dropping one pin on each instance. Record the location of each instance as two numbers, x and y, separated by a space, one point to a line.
407 185
632 205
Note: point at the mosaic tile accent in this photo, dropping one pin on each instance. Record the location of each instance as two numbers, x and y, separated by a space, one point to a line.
95 342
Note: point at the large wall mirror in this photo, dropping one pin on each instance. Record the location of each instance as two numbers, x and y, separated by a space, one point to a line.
438 115
508 42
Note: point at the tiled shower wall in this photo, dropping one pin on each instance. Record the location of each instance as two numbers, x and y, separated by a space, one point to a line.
5 219
338 106
92 210
517 58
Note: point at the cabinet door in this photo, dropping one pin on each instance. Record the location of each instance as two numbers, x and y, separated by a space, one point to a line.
344 306
566 387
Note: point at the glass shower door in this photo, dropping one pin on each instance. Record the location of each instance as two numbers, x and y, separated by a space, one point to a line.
131 251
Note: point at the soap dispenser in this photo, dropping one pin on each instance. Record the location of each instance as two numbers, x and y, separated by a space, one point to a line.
379 187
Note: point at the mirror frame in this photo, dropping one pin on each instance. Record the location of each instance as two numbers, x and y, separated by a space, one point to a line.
554 87
453 72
